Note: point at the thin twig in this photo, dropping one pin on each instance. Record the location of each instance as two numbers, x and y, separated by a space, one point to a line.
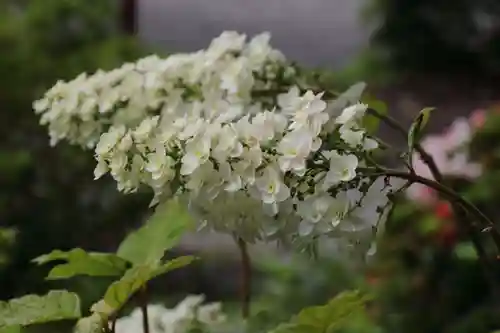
143 299
246 275
113 325
460 207
431 164
444 190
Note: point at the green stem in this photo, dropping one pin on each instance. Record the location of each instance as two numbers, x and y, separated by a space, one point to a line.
246 275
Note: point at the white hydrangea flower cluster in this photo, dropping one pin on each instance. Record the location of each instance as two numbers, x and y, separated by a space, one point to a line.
221 77
258 165
188 314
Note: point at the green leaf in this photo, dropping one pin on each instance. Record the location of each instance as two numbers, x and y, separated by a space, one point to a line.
371 122
79 262
91 324
34 309
11 329
119 292
416 128
327 318
135 278
466 251
160 233
172 265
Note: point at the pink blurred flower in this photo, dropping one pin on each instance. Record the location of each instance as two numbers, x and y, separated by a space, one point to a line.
449 151
457 135
478 118
422 195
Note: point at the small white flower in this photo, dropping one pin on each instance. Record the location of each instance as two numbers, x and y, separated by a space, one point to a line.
159 163
294 148
342 169
321 214
125 143
233 180
270 187
200 176
109 140
101 169
351 115
353 138
117 163
142 132
370 144
228 145
313 208
307 111
290 100
197 153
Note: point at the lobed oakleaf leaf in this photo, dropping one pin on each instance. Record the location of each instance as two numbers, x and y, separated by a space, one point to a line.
79 262
161 232
35 309
330 318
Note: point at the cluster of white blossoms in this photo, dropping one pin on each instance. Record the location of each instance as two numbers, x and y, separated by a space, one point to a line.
229 130
187 315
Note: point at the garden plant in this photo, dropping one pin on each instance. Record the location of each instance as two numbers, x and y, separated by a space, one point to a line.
236 139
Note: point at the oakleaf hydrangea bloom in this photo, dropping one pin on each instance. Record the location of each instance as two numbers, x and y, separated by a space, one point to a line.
186 316
230 130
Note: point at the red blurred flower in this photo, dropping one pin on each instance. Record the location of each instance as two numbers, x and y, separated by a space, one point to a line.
443 210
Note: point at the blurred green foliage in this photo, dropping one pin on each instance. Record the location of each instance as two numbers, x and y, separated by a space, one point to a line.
438 35
49 193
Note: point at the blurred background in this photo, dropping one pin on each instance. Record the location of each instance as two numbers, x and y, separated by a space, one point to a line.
413 53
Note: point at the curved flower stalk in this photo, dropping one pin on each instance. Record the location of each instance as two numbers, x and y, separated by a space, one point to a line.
189 314
450 153
281 166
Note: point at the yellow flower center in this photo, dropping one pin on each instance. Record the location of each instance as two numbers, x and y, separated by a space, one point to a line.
345 172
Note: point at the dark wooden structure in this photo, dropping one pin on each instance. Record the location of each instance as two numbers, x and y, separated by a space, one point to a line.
129 17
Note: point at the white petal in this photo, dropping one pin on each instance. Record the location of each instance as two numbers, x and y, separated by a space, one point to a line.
305 228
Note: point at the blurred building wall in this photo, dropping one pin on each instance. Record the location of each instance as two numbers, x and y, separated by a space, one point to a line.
314 32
